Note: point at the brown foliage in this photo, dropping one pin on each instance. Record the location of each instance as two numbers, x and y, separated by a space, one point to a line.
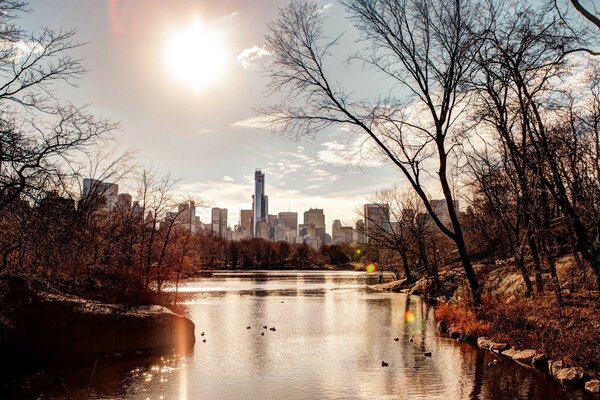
571 334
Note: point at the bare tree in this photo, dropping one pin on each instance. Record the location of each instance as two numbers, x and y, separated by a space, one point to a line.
425 47
39 133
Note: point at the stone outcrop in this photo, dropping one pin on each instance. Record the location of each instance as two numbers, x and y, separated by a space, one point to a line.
50 323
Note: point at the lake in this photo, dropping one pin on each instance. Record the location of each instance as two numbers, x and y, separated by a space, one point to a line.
326 337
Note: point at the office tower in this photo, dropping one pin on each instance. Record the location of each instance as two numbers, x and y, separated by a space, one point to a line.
218 219
377 220
314 217
360 232
440 208
341 234
105 192
246 227
260 206
187 215
336 230
289 219
124 201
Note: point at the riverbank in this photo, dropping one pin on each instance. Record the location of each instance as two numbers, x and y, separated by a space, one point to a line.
561 341
38 321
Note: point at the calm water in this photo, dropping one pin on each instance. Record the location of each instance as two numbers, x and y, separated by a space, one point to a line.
330 340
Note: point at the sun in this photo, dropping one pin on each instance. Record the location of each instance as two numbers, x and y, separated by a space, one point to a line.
196 56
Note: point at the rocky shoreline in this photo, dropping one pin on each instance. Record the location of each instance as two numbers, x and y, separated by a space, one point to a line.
39 324
558 369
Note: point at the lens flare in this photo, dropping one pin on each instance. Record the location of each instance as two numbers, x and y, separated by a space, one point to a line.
372 267
409 317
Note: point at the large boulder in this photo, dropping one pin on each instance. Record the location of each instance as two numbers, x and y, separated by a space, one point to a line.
50 324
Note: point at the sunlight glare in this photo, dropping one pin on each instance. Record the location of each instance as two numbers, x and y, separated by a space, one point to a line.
195 56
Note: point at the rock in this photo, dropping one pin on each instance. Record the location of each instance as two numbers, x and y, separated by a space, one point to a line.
54 324
483 342
508 352
384 364
571 376
567 375
74 326
262 334
442 326
427 354
554 366
396 339
273 329
524 356
486 344
248 327
593 386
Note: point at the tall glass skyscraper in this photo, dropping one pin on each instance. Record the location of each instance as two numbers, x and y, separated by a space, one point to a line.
260 203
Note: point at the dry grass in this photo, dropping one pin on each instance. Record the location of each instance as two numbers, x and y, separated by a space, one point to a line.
571 334
462 319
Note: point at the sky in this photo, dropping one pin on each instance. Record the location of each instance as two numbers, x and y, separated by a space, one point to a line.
208 134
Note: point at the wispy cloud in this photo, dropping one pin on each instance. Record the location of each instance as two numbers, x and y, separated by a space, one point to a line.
325 7
251 55
357 153
259 122
227 178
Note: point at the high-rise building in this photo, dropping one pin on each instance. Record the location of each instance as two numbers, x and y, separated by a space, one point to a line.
341 234
360 232
246 227
124 201
219 221
186 215
377 220
315 217
260 205
289 219
440 208
105 192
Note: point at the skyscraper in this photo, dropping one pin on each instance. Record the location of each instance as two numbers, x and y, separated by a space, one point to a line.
219 221
377 220
315 219
290 220
105 192
260 205
246 224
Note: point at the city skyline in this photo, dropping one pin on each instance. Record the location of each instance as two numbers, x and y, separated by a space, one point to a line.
209 136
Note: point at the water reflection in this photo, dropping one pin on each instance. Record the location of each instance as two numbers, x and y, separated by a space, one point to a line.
330 338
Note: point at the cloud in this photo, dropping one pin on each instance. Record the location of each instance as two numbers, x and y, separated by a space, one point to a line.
320 175
206 131
300 149
259 122
251 55
312 187
325 7
227 178
359 153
